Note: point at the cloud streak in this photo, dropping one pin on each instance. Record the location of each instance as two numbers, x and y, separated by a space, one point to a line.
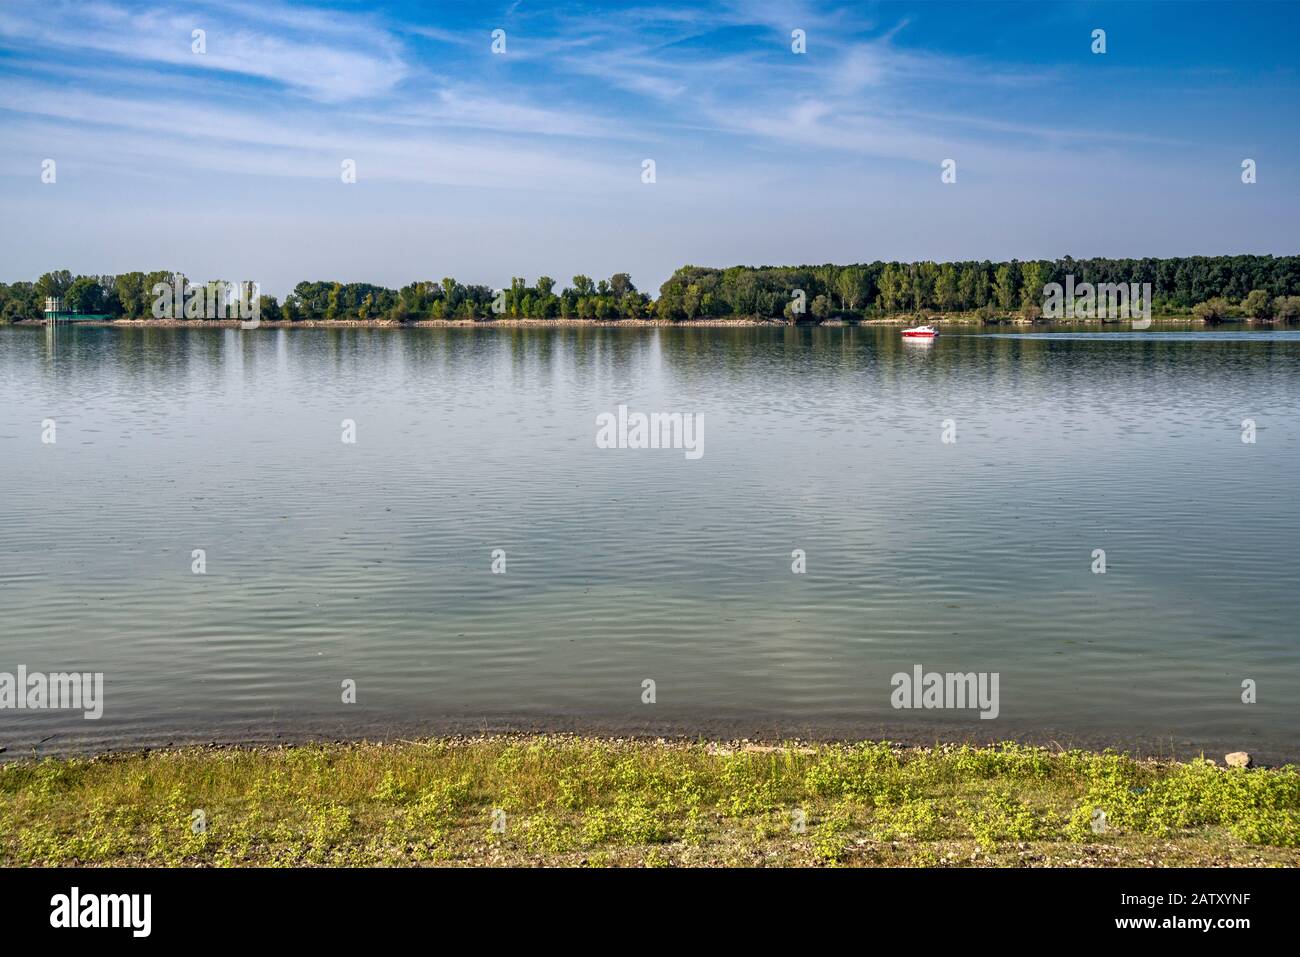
330 61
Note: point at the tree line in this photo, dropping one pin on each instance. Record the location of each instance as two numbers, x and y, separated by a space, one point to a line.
131 296
1210 287
1233 283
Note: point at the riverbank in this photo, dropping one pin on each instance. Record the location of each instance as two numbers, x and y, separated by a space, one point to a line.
729 323
422 324
574 801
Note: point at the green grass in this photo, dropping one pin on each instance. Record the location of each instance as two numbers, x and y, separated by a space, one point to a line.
578 801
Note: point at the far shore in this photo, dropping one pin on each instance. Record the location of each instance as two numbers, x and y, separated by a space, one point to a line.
607 323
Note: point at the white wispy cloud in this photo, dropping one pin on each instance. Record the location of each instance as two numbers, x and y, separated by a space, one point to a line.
341 58
142 136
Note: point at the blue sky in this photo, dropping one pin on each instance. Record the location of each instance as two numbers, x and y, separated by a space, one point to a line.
483 166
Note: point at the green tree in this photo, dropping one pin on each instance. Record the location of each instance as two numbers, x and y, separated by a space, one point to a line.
132 294
84 295
53 284
923 278
692 300
1007 285
893 295
332 306
1257 305
851 284
1287 308
973 286
1212 310
268 309
1031 284
947 291
620 284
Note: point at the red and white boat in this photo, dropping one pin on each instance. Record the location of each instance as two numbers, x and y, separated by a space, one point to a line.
920 332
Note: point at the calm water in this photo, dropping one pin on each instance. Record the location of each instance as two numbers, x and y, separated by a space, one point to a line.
372 562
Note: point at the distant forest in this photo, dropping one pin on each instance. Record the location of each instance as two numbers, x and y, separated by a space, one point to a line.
1210 287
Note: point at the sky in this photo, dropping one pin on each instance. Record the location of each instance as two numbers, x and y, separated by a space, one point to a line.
228 162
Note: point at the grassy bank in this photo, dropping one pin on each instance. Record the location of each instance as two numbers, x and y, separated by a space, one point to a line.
574 801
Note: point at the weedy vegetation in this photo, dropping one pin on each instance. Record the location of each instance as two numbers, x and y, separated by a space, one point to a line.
521 801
